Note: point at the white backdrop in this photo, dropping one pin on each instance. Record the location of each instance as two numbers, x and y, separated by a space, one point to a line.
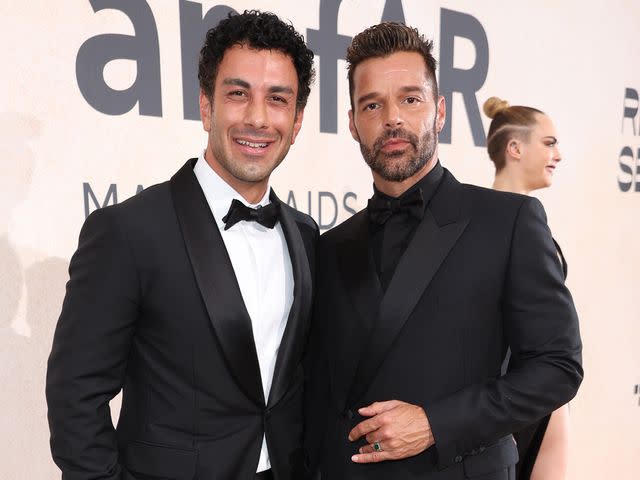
577 61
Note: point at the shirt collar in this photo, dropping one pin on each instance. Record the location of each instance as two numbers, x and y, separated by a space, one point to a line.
220 194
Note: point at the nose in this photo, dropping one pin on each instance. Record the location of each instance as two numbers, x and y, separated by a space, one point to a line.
393 118
557 156
256 114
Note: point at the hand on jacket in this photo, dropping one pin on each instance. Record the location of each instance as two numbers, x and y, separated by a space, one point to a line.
400 429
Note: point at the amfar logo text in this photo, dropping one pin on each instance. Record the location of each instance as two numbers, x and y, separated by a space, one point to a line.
326 42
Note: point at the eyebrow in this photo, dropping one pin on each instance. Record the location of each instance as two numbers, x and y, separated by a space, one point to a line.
238 82
551 137
367 97
281 89
412 88
407 89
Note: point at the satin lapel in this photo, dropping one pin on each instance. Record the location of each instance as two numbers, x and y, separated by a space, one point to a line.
294 337
562 259
417 267
358 271
217 281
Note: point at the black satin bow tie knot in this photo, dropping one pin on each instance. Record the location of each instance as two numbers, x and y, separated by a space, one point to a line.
381 209
266 216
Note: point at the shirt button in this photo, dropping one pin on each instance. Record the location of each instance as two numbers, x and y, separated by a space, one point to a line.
458 459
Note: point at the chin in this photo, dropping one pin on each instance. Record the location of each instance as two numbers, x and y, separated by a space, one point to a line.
256 177
546 182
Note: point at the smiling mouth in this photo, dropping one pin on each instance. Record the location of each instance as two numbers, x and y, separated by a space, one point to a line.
246 143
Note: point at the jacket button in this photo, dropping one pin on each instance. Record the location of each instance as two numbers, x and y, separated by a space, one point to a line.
458 459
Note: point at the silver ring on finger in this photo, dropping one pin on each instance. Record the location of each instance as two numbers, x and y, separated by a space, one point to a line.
377 447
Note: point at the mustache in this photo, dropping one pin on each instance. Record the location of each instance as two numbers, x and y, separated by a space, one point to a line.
400 133
253 134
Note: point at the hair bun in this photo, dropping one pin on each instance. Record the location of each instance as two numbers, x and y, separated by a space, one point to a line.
493 106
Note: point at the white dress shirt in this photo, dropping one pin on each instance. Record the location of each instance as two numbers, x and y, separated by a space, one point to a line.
261 262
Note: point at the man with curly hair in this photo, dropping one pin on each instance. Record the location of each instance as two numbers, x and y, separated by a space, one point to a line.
194 297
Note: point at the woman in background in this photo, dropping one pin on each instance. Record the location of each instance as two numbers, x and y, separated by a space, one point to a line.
523 145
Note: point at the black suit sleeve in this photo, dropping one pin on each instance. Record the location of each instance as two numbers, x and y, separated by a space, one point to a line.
90 348
541 327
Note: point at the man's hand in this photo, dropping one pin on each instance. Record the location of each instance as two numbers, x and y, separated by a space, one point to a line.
400 429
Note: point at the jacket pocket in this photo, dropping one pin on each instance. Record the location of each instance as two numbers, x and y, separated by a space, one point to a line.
148 460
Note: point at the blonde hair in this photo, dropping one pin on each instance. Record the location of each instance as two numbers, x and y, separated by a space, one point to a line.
507 122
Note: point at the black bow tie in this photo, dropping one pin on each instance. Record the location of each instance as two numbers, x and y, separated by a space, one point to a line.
266 216
381 209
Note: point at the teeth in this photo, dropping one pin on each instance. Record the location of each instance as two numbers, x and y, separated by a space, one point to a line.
251 144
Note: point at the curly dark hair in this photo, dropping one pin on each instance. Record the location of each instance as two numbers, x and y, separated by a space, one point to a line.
262 31
385 39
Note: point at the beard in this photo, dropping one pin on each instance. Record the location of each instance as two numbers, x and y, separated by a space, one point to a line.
248 171
398 166
245 171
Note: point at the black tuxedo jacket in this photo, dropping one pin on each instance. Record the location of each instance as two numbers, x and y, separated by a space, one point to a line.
153 307
480 274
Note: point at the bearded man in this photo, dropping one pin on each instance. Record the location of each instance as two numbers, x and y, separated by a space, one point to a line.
420 295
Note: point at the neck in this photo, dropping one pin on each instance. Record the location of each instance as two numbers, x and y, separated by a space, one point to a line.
395 189
506 182
252 192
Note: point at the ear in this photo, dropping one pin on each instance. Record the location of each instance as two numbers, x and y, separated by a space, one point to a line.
205 111
297 125
352 127
441 114
514 148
